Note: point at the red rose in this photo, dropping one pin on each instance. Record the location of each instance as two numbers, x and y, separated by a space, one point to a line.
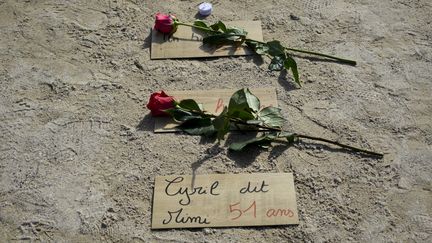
165 23
159 102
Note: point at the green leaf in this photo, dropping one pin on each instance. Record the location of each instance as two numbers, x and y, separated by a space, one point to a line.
258 47
219 26
244 115
222 124
189 104
229 36
243 104
253 101
271 116
291 63
260 141
290 137
237 31
253 45
254 122
223 39
285 134
200 23
198 126
277 63
244 98
181 115
261 49
275 48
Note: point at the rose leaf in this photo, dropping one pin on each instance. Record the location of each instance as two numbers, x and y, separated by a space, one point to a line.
271 116
262 141
181 115
189 104
198 126
291 63
276 64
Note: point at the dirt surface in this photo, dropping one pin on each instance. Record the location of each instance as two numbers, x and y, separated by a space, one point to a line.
78 154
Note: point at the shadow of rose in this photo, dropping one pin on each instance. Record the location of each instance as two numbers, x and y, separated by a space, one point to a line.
146 123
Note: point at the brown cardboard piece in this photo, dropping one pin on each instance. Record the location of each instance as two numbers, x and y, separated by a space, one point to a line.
186 42
212 101
224 200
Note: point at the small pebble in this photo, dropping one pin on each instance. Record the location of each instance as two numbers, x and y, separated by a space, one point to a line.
404 183
293 17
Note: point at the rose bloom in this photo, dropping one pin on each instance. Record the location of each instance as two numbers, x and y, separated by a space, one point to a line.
164 23
159 102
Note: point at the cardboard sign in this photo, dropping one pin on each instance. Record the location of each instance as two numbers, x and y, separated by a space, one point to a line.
186 42
212 101
224 200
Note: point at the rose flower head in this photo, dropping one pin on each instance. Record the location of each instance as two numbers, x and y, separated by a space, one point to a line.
159 102
165 23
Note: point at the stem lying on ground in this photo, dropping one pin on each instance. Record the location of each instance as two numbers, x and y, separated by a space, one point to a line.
340 145
198 27
341 60
238 121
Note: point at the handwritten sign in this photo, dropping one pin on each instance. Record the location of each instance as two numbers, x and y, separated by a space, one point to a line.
187 43
223 200
212 102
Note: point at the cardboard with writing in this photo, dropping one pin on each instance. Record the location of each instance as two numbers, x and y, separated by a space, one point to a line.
186 42
224 200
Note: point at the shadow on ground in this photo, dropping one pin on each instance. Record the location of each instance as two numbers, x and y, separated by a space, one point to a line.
146 124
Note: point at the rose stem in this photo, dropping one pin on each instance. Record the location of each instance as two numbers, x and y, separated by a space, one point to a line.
195 26
297 135
316 138
339 144
342 60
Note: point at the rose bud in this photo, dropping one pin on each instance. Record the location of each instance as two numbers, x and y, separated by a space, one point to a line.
159 102
165 23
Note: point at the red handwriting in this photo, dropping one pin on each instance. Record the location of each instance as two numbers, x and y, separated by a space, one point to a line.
241 212
238 212
219 105
279 213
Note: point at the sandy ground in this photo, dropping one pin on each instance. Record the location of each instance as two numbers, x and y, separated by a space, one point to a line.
78 155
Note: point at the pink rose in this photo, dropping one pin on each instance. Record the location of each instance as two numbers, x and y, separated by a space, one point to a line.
165 23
